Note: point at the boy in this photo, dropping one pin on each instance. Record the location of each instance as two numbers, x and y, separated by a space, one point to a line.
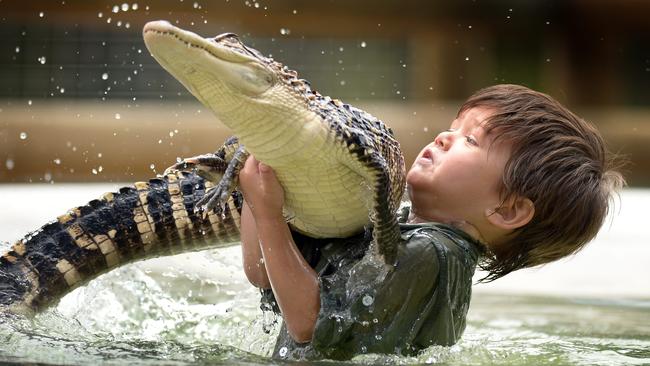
517 181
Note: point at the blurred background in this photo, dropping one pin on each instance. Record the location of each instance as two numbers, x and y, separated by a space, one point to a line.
82 100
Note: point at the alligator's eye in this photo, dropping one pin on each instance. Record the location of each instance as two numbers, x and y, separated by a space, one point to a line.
254 52
226 36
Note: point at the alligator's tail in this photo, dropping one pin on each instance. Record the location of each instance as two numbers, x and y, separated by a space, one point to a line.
148 220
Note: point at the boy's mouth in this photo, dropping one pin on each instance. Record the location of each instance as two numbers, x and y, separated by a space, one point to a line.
426 157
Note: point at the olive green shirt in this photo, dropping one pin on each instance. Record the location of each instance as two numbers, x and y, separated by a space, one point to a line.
364 308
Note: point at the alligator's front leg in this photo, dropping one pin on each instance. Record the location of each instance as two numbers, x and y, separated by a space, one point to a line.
210 167
217 196
220 168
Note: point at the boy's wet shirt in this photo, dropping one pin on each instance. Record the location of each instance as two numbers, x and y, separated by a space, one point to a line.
423 301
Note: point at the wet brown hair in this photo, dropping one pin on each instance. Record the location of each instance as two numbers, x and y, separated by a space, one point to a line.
558 161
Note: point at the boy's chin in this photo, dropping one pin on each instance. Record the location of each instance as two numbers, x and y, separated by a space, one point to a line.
416 179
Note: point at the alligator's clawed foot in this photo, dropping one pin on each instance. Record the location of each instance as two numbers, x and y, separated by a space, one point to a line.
216 197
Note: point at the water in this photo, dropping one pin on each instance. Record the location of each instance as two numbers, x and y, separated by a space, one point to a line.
197 308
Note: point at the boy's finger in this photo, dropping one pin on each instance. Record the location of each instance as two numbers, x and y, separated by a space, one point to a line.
250 166
265 168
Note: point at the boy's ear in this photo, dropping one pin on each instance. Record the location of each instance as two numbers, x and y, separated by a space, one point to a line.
512 214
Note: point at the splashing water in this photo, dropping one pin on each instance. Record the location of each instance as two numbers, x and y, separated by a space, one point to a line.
199 309
149 312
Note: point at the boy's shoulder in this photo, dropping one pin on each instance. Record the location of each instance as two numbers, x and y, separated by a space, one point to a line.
446 239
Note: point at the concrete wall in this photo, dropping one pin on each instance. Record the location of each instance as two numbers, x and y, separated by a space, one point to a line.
120 141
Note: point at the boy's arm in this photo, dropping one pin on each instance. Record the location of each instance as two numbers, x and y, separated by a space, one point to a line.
253 262
294 283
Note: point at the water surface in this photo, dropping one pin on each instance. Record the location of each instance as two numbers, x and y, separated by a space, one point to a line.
198 308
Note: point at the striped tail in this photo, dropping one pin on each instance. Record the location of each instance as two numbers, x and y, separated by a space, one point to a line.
150 219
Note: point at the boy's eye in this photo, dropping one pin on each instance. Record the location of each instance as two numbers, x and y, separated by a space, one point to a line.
471 140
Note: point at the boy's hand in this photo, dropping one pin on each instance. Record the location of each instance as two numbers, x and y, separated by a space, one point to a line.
261 190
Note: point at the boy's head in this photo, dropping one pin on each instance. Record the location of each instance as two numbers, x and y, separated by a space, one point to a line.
533 179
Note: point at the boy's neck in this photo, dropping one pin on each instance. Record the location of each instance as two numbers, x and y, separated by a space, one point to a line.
465 226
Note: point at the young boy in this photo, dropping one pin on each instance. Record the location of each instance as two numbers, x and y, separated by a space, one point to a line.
517 181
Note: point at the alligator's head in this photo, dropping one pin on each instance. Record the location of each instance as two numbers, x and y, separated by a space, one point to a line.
222 72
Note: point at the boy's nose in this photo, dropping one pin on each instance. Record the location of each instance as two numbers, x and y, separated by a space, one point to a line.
444 140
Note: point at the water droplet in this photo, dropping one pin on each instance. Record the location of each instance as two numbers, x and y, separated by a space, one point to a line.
17 49
426 129
127 25
363 44
23 135
341 49
109 22
295 11
47 176
171 133
125 7
152 167
117 116
100 14
99 155
283 351
116 8
364 349
285 31
94 171
100 168
342 82
119 23
41 14
42 60
134 6
29 102
466 58
62 90
367 300
57 161
375 320
378 337
160 141
9 164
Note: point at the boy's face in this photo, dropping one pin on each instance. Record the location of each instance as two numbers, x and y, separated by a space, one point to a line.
458 176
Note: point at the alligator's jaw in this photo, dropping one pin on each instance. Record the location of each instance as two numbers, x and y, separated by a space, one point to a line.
207 67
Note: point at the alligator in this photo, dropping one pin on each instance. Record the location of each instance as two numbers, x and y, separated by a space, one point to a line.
341 169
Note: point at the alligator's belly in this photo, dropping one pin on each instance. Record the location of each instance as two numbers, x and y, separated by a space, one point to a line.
324 197
326 201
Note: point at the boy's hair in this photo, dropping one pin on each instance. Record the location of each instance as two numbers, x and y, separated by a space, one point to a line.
559 162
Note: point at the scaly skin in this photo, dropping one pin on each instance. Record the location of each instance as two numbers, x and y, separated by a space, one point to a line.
340 167
150 219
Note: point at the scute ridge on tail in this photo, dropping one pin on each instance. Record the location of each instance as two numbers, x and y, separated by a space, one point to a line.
146 220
